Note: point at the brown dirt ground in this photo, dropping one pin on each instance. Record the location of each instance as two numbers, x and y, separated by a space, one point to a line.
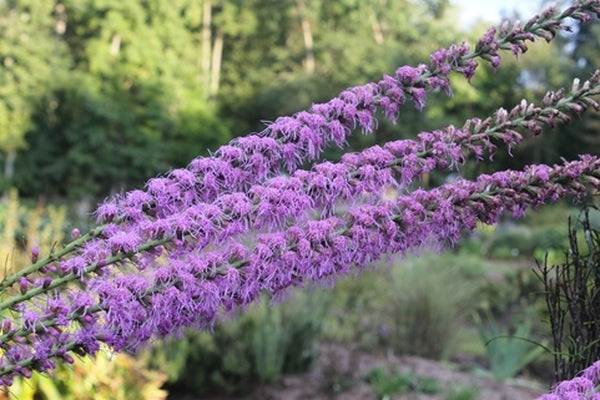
339 374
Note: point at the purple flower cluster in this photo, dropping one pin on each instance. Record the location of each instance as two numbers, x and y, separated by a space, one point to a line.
582 387
203 240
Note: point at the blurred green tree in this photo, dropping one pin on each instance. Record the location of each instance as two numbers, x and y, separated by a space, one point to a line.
583 50
107 93
31 58
307 51
134 103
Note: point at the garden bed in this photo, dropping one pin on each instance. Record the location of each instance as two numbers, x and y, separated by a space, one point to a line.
340 373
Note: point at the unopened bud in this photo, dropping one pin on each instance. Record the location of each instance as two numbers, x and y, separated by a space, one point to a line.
46 281
501 115
6 325
23 284
593 103
35 253
504 29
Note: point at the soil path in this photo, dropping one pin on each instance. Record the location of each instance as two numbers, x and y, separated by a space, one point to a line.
339 374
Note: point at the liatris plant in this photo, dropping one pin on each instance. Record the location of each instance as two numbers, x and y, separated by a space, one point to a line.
201 241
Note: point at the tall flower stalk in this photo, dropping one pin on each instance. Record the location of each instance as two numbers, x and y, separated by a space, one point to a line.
203 240
290 141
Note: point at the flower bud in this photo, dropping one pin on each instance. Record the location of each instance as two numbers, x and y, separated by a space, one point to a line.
35 253
6 325
23 284
68 358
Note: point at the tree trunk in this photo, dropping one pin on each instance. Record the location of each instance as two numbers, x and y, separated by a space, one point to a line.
307 36
115 44
215 70
206 45
60 27
377 31
9 165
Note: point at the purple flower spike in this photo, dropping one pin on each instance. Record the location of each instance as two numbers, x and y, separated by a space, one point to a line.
199 242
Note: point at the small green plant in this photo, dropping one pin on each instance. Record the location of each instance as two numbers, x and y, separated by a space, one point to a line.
507 354
269 343
427 385
463 393
386 385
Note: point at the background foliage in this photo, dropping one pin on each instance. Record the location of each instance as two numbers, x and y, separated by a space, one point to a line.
98 95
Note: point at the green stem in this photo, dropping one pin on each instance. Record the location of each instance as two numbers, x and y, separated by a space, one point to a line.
54 256
56 283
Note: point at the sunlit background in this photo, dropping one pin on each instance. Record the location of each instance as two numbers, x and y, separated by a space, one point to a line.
493 10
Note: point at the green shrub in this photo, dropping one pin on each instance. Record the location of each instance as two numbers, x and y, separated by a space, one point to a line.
257 347
497 295
515 241
540 232
508 354
356 313
550 216
417 308
427 306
